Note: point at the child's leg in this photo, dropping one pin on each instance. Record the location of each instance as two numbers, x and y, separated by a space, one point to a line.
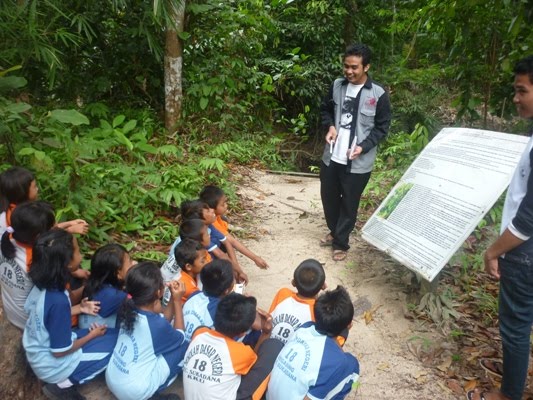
254 383
95 356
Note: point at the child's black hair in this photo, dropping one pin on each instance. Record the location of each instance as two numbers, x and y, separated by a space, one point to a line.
193 209
14 186
211 195
52 253
333 312
106 263
235 314
143 282
217 277
186 252
525 67
309 278
28 221
192 229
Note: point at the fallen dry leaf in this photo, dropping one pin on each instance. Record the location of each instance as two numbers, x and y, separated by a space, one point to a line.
471 385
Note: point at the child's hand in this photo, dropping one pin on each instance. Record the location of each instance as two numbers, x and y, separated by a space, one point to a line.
261 263
78 226
81 273
177 289
96 330
89 307
265 321
240 276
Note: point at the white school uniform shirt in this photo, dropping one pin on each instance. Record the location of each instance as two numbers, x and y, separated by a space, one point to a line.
48 331
139 365
16 284
312 364
199 310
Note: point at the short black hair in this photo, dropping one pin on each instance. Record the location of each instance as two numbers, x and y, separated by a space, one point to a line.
211 195
14 186
525 67
333 312
192 229
309 277
193 209
235 314
106 263
359 50
186 252
51 256
217 277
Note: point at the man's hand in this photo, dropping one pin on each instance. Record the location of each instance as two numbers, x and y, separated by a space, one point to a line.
492 267
352 155
331 136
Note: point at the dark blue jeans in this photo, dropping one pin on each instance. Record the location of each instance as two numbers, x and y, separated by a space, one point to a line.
516 318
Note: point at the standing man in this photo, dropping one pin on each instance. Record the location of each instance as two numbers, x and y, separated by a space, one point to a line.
510 260
357 113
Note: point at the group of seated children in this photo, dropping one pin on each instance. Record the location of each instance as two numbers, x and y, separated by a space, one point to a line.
144 324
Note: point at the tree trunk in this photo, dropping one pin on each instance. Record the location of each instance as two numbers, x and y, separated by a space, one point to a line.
173 69
349 23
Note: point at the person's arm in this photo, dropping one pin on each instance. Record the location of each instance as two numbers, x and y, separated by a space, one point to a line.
240 275
382 121
266 328
86 307
76 295
96 330
519 230
237 245
177 289
327 109
75 226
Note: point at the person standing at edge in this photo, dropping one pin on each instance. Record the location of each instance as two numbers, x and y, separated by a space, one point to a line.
357 114
510 260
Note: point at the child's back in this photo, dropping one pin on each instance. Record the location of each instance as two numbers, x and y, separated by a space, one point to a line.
312 363
290 310
199 310
214 362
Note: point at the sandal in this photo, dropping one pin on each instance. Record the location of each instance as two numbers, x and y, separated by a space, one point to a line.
470 394
339 255
491 366
326 240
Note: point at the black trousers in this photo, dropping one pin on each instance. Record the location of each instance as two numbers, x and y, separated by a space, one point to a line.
340 192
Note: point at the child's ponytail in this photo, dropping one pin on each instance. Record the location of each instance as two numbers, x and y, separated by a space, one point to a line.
28 221
144 285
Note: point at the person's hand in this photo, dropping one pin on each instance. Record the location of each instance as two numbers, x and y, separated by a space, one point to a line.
90 307
261 263
79 226
96 330
331 136
81 273
266 321
352 155
492 267
177 289
240 276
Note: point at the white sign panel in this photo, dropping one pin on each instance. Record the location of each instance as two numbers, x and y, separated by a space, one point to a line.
442 197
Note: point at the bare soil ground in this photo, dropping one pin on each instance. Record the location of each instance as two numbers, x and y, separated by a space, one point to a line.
287 223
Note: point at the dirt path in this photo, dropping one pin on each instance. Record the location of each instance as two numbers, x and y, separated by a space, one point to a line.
288 220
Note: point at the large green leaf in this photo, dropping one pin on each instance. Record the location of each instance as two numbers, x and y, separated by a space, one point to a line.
72 117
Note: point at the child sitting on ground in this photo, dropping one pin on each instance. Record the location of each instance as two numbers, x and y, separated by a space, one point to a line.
215 198
109 267
290 310
58 356
312 364
149 351
216 367
199 209
190 229
199 310
190 256
17 186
